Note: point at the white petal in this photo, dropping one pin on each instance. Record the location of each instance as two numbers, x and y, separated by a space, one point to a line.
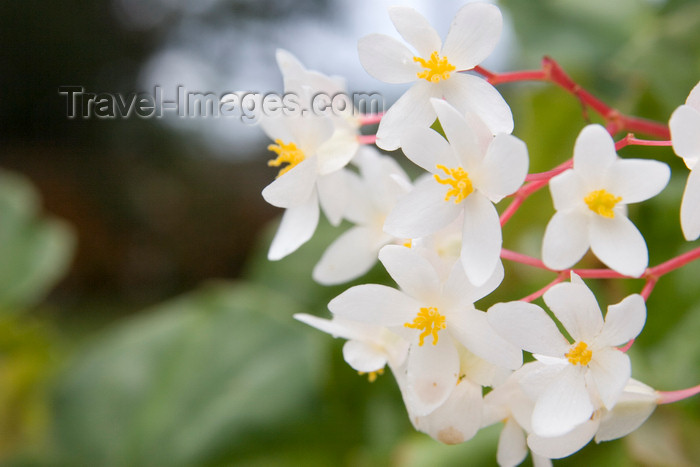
535 377
481 238
473 35
472 329
611 371
540 461
422 211
685 131
359 208
635 405
415 30
690 207
636 180
528 327
338 327
576 307
460 291
563 405
504 167
387 59
623 321
310 131
431 374
363 356
468 92
565 239
277 128
350 256
693 98
375 304
567 191
387 180
334 194
461 137
565 445
512 448
412 272
458 419
427 149
335 153
294 187
618 244
297 227
594 153
412 109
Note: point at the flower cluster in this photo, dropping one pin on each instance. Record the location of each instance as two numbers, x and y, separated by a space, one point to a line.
439 237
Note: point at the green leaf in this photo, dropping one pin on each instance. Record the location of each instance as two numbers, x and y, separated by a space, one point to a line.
186 383
34 252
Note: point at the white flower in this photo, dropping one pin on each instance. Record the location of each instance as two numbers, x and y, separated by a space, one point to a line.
508 403
434 68
435 314
634 406
685 135
369 348
469 173
590 202
304 180
371 196
572 376
459 418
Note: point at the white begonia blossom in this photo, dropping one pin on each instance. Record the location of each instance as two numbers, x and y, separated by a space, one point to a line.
314 92
508 403
459 418
301 184
571 376
434 314
590 202
470 171
311 152
685 136
434 67
634 406
372 195
369 347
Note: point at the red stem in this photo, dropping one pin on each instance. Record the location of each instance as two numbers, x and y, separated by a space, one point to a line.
666 397
630 139
370 119
673 263
367 139
544 289
615 121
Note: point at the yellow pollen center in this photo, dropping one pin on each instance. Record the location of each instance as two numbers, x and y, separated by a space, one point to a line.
602 202
579 354
458 180
372 375
429 321
286 153
434 69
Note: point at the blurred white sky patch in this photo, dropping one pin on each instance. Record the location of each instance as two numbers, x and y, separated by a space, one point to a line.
235 54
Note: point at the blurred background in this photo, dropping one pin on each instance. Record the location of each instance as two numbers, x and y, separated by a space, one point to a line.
140 322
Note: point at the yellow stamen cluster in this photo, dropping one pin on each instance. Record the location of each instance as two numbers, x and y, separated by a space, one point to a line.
579 354
429 321
372 375
459 180
434 69
602 203
286 153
